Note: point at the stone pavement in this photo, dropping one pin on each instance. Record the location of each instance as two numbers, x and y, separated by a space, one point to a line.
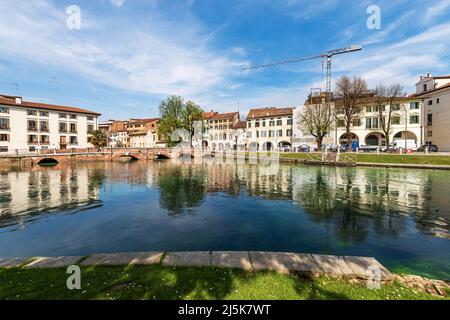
283 262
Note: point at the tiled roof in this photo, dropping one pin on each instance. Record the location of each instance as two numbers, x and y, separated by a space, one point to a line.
240 125
224 116
207 115
370 100
269 112
11 101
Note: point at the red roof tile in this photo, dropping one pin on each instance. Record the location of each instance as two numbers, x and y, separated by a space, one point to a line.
11 101
269 112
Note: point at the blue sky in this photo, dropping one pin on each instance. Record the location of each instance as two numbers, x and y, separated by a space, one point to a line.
130 54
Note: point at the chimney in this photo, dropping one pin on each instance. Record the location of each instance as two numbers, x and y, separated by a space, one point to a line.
429 74
18 100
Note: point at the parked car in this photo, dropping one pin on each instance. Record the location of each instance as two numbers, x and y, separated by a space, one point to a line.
431 148
303 148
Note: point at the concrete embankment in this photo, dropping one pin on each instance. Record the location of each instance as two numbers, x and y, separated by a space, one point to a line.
299 263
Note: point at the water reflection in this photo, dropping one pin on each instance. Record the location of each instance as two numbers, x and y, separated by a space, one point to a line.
400 216
27 194
350 202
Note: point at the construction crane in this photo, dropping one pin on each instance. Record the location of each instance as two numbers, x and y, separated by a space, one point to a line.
328 55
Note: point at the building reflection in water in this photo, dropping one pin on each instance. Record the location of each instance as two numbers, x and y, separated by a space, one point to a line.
29 194
350 202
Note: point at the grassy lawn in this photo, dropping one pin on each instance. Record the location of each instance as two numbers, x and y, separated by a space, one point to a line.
387 158
158 282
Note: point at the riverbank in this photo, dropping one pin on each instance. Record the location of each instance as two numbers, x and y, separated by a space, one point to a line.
156 282
414 161
210 275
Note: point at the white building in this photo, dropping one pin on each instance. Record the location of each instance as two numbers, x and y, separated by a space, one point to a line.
366 129
269 128
30 126
435 92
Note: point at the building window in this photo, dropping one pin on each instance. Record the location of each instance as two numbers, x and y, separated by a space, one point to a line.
272 123
263 134
368 109
249 124
289 122
73 116
32 112
32 138
90 118
356 122
395 120
280 133
424 87
289 132
90 128
263 123
73 140
63 127
257 124
430 119
32 125
3 149
429 133
430 102
4 110
395 107
257 134
437 100
43 114
63 116
413 119
45 139
414 105
4 123
4 137
73 128
249 135
44 126
279 122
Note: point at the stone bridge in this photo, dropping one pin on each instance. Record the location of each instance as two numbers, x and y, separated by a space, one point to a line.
64 156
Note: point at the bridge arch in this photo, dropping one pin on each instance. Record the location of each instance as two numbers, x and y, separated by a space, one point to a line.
48 162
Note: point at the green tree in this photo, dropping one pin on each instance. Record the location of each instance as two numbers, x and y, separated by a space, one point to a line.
170 111
176 114
98 139
192 114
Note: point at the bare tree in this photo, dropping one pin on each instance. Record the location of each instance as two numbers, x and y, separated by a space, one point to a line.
350 92
385 98
316 120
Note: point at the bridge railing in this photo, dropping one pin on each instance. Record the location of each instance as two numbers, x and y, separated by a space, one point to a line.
38 152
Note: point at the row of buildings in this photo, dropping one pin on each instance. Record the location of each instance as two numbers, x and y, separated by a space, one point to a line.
423 117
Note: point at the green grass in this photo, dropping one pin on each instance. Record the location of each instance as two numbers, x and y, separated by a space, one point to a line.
387 158
158 282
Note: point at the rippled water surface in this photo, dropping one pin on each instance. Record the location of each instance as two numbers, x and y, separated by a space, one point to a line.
399 216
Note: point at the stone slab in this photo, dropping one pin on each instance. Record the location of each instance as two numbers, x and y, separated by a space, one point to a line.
12 262
53 262
239 260
285 262
362 266
117 259
333 265
190 259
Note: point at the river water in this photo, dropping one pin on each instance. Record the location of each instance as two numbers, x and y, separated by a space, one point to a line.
399 216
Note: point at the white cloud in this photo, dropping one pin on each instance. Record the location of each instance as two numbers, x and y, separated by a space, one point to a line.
159 58
437 10
117 3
